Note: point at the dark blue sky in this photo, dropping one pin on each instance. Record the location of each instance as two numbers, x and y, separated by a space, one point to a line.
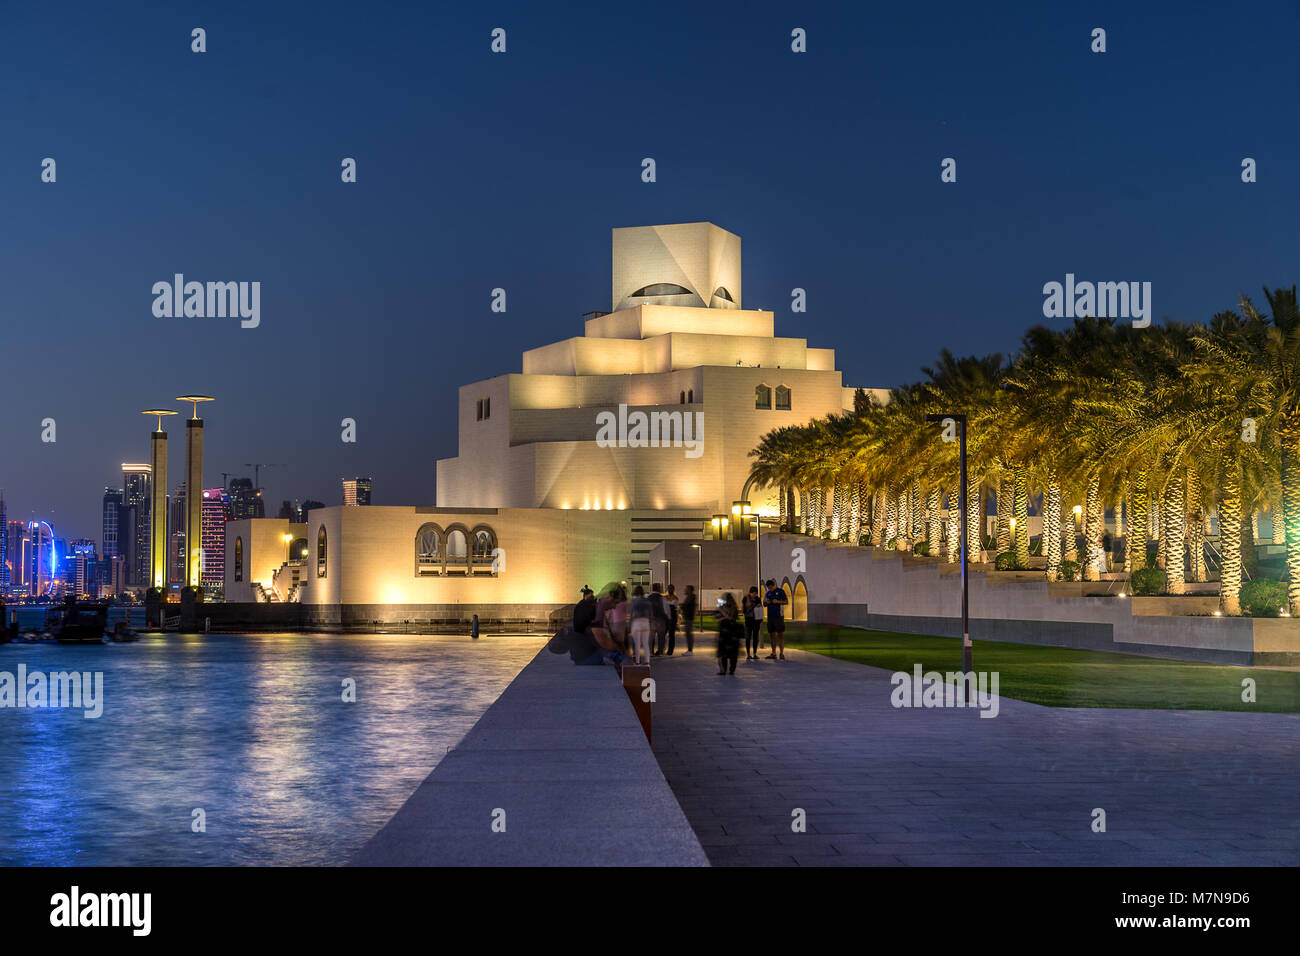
479 170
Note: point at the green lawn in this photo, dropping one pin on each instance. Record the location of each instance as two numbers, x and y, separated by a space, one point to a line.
1061 677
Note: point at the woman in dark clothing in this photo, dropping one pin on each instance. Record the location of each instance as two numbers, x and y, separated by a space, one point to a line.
730 632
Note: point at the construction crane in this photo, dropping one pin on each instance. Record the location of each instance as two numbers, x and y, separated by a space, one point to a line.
257 467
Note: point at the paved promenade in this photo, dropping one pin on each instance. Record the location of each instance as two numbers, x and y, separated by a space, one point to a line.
562 754
882 786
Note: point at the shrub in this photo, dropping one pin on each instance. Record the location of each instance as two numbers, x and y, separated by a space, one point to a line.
1263 597
990 542
1147 581
922 548
1068 571
864 540
844 536
891 544
826 535
1006 561
1036 547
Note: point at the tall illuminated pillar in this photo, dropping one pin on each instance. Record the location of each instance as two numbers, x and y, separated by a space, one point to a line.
158 502
193 491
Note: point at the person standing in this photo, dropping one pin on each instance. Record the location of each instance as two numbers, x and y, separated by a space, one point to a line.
658 618
730 631
639 615
774 601
670 600
688 619
752 605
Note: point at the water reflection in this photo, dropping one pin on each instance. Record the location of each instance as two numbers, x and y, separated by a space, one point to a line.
250 728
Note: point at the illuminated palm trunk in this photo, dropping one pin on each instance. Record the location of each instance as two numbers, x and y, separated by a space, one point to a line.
1135 541
1195 528
935 529
916 528
1175 522
974 523
1021 518
804 505
878 517
1052 528
891 515
783 505
1093 529
952 547
1230 537
1291 512
856 501
1004 515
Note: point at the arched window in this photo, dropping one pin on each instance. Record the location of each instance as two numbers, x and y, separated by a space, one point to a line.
783 398
762 397
483 554
428 550
690 397
722 293
239 558
457 550
320 552
683 401
660 288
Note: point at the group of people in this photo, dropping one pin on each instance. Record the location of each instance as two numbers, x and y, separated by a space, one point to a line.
641 626
754 610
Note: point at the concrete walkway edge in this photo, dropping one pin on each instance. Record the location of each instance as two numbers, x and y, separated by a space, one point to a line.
557 772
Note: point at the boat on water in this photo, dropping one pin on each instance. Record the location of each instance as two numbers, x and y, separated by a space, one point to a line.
82 623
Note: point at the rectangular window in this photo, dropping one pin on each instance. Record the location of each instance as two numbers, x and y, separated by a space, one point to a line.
487 408
478 411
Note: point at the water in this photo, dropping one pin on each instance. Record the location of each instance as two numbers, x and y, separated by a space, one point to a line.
251 729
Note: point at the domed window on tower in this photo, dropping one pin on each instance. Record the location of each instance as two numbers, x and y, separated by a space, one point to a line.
660 288
783 398
762 397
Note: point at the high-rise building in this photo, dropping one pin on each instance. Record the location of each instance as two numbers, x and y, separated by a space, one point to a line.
136 496
110 544
245 500
212 572
176 510
356 491
14 532
4 546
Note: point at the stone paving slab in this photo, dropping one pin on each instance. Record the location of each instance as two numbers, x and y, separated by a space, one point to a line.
886 786
563 754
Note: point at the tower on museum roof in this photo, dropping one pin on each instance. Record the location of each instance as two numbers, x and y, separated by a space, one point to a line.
694 264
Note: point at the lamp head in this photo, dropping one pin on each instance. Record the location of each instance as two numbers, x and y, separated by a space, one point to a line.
159 412
194 400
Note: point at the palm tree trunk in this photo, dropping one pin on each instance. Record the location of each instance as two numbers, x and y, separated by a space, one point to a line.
785 514
974 523
1290 438
1093 530
935 535
1175 529
952 546
856 501
1195 527
1230 536
1003 504
891 515
878 507
804 505
1135 541
1021 518
916 525
1052 528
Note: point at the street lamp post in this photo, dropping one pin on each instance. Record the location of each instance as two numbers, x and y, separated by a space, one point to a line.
699 571
967 651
